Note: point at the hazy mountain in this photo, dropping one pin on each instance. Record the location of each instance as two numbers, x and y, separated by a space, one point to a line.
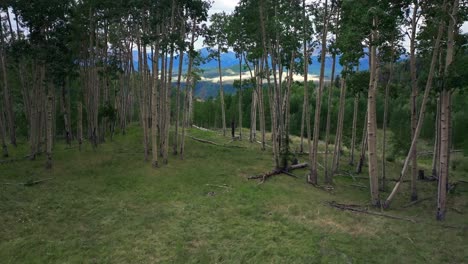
230 65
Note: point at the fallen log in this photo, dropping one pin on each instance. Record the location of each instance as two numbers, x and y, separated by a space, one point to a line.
219 186
318 152
266 145
19 159
396 180
213 143
429 153
278 171
417 201
201 128
359 186
358 209
29 183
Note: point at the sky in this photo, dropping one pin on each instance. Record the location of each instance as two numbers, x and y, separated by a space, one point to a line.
223 5
229 5
218 6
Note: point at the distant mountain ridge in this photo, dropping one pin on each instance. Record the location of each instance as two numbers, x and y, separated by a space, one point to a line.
229 60
230 67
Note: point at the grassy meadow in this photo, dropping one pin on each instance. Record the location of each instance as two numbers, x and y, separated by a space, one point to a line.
109 206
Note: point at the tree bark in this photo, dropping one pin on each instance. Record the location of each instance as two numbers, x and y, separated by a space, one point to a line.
339 131
261 107
372 120
435 158
7 100
179 77
240 102
353 132
413 100
144 99
79 132
327 135
384 138
312 177
188 88
306 73
3 134
221 92
445 118
154 105
49 137
66 116
253 114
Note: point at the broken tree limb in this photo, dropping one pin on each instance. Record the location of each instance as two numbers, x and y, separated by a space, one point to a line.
201 128
396 180
307 153
213 143
359 186
219 186
417 201
430 153
279 171
357 209
422 111
29 183
298 166
290 174
19 159
262 143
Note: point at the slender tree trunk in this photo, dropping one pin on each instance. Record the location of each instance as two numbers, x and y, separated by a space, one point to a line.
421 114
261 107
253 108
168 105
273 113
327 130
188 88
353 132
179 77
435 157
444 159
144 101
240 104
3 133
162 102
339 131
66 115
301 145
445 118
221 91
305 106
327 134
177 123
312 178
79 132
413 101
372 120
49 137
385 118
286 110
7 100
154 105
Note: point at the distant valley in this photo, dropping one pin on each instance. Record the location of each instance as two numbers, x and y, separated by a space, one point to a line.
208 86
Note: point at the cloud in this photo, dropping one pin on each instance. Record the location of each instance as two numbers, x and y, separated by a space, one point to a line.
223 5
464 27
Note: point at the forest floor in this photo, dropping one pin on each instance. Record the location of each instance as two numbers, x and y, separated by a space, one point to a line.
109 206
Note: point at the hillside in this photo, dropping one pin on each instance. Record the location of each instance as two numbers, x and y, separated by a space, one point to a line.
110 206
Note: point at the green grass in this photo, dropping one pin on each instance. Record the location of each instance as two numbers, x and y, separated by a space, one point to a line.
109 206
